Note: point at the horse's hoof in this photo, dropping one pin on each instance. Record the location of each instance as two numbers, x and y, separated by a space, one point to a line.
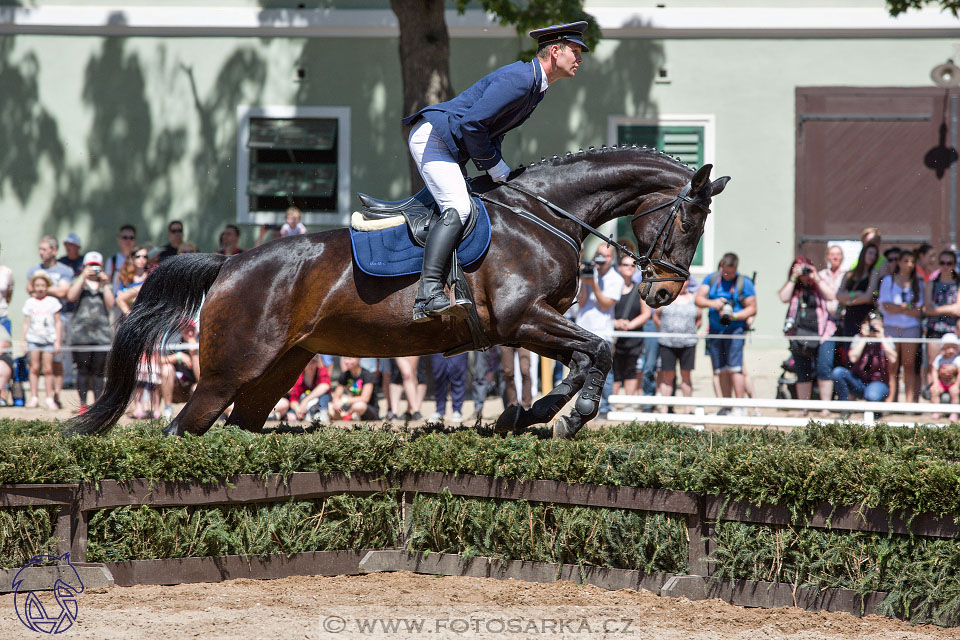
171 430
507 422
563 428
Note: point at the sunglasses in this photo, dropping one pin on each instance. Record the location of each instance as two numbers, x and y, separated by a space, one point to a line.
947 264
128 237
141 255
176 230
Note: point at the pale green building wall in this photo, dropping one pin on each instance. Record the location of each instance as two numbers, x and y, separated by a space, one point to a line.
97 131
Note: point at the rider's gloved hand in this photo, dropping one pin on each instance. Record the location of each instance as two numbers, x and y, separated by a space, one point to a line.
499 172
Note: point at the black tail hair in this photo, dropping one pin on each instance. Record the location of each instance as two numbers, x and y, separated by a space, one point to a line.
170 296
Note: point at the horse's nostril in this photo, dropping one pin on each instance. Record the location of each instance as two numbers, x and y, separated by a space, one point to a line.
662 296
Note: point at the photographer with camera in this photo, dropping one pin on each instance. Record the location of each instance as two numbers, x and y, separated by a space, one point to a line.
868 376
808 314
600 288
92 294
731 299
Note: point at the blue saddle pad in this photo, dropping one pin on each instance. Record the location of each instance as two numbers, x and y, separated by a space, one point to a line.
392 252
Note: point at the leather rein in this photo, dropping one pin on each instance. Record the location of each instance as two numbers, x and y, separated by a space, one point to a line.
646 262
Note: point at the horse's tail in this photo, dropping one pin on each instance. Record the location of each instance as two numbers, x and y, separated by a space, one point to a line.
169 297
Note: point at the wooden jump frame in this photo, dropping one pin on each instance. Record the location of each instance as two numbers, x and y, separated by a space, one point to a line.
702 512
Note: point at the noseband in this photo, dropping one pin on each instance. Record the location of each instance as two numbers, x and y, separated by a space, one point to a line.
647 262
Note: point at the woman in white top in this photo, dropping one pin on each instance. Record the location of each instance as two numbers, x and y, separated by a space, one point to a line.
901 302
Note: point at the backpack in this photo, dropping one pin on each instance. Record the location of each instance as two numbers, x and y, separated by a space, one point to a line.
738 289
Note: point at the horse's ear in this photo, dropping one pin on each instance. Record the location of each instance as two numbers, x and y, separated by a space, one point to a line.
700 179
717 185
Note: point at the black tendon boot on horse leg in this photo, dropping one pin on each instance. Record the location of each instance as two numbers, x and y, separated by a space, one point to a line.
431 298
585 408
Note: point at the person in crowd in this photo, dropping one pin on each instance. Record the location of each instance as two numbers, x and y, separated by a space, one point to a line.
60 275
731 300
833 275
926 262
6 365
175 235
180 368
92 296
940 302
871 235
597 297
126 241
353 397
293 226
483 371
408 369
630 313
807 296
449 374
522 364
132 275
945 373
680 316
73 257
871 356
146 395
859 289
230 241
890 257
187 247
901 301
6 295
41 333
309 399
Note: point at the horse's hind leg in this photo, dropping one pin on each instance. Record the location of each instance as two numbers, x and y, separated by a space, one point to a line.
255 400
203 408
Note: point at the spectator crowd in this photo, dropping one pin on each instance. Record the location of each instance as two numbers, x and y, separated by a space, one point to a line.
887 295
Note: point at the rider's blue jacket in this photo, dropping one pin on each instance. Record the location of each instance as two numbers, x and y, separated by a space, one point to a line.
472 124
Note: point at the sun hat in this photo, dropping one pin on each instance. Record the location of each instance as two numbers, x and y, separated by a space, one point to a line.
93 257
949 338
40 273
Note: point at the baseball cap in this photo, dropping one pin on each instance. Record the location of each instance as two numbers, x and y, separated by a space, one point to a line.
73 238
949 338
93 257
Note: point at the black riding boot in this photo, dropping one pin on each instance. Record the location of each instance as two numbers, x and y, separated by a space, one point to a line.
431 299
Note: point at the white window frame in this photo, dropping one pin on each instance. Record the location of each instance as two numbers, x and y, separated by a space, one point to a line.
708 122
341 217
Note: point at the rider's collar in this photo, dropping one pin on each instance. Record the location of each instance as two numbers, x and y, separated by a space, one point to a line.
544 83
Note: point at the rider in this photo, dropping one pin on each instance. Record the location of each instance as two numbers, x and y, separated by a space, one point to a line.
471 126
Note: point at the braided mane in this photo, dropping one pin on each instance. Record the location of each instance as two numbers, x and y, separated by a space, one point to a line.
571 157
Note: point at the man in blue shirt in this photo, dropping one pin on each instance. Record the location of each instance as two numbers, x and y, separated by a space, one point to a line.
471 127
731 299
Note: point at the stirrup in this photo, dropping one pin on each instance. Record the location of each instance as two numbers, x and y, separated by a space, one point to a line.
459 309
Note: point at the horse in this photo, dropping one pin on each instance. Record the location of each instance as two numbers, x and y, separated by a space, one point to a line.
267 311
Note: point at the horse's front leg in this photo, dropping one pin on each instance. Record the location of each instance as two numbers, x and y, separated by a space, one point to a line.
588 356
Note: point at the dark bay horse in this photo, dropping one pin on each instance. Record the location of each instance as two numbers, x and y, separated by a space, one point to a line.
267 311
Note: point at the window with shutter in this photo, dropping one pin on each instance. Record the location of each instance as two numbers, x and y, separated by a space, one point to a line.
292 157
684 141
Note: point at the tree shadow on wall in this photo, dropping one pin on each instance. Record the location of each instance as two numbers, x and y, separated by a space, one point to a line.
127 177
28 132
240 80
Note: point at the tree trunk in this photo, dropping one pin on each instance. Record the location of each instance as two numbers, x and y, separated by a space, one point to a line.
424 59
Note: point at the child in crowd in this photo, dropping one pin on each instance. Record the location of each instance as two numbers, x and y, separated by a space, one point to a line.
310 396
42 330
354 397
146 395
944 371
293 226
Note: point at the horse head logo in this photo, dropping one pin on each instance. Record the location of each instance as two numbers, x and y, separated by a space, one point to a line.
31 610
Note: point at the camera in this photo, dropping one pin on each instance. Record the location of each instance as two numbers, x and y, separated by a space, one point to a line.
805 271
588 267
96 269
788 325
726 315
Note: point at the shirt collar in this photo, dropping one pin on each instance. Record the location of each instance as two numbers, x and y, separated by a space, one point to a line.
544 83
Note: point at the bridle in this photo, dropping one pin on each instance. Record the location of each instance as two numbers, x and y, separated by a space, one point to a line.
647 261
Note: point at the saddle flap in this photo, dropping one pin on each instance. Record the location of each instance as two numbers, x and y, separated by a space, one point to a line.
419 210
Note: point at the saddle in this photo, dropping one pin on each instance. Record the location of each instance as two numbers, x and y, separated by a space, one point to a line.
419 211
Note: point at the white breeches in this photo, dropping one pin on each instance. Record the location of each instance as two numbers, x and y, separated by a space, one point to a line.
439 169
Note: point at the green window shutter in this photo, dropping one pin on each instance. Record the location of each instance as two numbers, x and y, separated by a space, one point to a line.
685 142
